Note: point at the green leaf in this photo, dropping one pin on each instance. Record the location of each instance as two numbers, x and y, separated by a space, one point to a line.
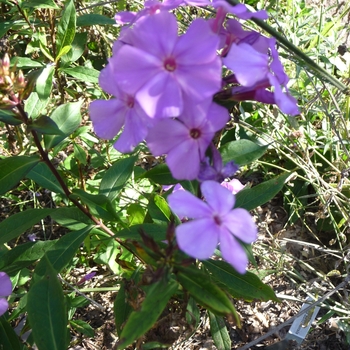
141 321
160 174
158 208
241 152
219 332
79 154
45 125
78 48
66 28
18 223
250 198
44 82
25 63
136 214
8 337
14 169
93 19
63 52
23 255
67 117
205 292
62 252
116 177
42 175
34 106
121 308
155 231
72 218
82 327
98 204
86 74
8 117
248 286
42 4
47 312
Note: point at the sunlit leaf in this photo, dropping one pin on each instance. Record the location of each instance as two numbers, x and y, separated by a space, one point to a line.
250 198
14 169
47 312
248 286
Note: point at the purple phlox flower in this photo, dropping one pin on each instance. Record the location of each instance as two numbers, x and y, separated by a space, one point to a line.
217 171
87 277
234 185
214 222
5 291
109 116
185 140
240 10
253 69
162 70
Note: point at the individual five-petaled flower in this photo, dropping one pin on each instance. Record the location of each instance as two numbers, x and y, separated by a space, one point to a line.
214 222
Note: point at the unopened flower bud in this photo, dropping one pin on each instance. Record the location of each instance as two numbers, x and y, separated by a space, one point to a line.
6 64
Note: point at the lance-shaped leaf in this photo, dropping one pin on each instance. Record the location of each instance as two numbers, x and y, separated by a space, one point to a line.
23 255
8 337
14 169
241 152
47 312
250 198
44 82
66 28
116 177
98 204
219 332
17 224
67 118
62 252
206 292
42 175
247 286
141 321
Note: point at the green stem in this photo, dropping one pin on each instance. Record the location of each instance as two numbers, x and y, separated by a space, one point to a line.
298 53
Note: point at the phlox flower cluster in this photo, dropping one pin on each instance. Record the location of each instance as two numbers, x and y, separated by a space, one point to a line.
163 88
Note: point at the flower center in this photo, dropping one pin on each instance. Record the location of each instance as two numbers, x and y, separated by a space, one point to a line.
217 220
195 133
130 101
170 64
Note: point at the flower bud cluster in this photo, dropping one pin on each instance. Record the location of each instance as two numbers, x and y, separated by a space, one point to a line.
12 84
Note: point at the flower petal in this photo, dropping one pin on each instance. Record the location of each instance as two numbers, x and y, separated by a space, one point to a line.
134 68
249 65
241 224
161 96
184 160
5 285
165 135
232 251
3 306
107 117
198 238
135 130
185 204
219 198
